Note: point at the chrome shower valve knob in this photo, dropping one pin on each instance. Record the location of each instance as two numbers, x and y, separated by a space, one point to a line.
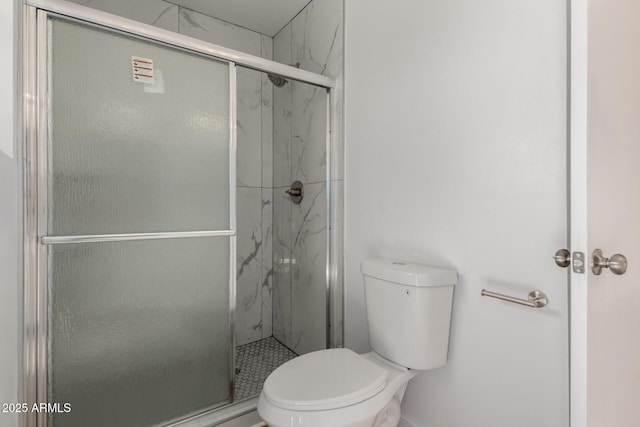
296 191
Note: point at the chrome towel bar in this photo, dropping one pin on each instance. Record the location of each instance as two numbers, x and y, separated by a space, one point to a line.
535 299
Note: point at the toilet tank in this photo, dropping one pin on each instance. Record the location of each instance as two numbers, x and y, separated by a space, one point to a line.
409 311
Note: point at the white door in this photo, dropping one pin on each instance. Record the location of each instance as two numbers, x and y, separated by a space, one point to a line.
606 212
456 157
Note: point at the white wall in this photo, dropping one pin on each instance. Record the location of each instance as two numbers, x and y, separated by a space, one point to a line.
613 144
9 297
455 142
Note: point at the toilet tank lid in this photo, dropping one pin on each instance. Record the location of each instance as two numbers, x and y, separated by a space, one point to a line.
406 273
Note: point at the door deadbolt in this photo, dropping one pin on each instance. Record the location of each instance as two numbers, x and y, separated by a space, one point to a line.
617 263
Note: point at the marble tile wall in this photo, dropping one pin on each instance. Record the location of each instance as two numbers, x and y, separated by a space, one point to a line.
249 246
308 282
154 12
254 155
314 39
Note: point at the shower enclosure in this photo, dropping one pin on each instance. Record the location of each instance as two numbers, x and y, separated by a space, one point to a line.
140 261
282 297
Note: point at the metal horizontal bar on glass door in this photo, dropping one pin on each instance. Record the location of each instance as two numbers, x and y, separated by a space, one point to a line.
69 9
99 238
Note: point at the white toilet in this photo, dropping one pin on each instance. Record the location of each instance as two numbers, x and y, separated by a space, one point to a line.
409 313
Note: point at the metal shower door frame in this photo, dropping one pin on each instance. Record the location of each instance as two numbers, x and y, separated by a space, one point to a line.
35 125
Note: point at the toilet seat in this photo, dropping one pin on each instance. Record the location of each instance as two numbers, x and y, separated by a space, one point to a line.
326 379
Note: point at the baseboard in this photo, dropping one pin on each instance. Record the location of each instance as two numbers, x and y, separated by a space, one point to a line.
406 423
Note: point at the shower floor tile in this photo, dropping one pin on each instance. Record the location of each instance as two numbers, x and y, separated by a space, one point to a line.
255 361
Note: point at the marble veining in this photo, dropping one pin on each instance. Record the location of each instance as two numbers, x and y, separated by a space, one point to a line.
267 117
299 275
249 265
154 12
249 128
267 262
317 37
212 30
282 114
318 45
309 133
309 293
282 266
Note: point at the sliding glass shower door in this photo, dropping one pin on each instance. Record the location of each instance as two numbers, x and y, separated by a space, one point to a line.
136 227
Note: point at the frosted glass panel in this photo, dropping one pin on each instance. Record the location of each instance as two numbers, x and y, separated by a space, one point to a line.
129 157
139 331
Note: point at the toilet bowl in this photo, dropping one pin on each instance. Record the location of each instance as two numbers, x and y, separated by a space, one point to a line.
337 388
409 314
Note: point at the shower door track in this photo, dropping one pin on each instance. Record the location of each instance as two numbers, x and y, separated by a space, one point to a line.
34 357
139 29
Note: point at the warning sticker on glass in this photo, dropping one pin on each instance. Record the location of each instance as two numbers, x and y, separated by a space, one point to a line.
142 69
158 86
